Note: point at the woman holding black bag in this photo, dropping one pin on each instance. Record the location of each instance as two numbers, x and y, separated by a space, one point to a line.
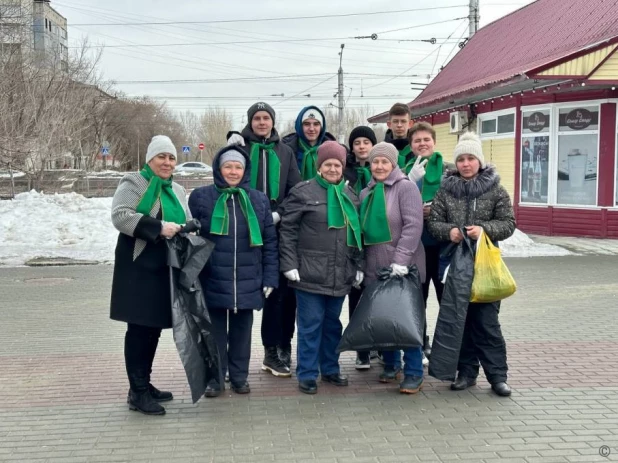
391 198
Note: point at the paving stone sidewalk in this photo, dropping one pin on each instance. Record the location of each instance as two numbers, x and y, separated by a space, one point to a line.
63 385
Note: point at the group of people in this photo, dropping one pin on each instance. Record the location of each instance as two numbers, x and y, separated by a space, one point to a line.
298 224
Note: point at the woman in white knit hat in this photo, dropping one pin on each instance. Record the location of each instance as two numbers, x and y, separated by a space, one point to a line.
147 207
472 201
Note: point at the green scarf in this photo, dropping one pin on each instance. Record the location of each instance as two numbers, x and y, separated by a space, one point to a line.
310 160
341 211
220 221
171 209
274 168
363 177
433 175
373 217
401 159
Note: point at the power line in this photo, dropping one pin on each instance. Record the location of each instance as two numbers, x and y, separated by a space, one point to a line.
265 78
220 21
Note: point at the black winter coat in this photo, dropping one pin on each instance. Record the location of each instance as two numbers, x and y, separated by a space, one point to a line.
235 274
350 173
481 201
289 173
326 264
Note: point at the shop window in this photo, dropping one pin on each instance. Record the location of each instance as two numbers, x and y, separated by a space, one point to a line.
488 127
578 152
498 125
535 144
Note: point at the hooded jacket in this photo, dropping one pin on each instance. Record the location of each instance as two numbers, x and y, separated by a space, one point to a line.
236 272
480 201
292 139
289 174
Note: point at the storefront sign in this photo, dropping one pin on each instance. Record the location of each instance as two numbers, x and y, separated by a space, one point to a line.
537 122
578 119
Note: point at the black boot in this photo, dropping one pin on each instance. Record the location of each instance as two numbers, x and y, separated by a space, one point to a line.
157 395
140 398
273 363
427 348
285 355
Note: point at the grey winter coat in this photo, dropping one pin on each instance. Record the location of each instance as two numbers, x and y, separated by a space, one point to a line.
481 201
404 209
326 264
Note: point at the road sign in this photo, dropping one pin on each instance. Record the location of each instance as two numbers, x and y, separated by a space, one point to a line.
201 146
186 149
105 151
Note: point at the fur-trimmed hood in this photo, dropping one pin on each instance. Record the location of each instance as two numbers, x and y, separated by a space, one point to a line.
486 179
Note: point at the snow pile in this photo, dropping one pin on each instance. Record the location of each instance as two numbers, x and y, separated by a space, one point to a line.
70 225
60 225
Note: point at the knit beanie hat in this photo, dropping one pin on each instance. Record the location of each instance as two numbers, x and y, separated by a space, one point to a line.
331 150
232 155
260 106
362 131
311 113
386 150
160 144
470 143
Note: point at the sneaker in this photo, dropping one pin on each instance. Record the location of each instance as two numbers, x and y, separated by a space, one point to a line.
389 374
411 384
425 360
362 361
273 363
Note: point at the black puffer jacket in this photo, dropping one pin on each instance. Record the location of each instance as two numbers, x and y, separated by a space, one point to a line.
289 175
326 264
481 201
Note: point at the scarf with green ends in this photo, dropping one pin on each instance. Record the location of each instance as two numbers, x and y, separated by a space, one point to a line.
363 177
341 211
274 168
402 158
373 217
220 221
310 160
433 175
171 209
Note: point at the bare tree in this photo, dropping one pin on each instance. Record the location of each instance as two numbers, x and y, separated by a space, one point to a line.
214 126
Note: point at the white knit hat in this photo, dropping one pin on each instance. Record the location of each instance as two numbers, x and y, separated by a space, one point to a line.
470 143
160 144
312 113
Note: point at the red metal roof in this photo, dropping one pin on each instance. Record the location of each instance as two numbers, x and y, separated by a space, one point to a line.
528 38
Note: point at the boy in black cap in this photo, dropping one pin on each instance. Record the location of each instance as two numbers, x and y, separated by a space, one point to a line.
273 171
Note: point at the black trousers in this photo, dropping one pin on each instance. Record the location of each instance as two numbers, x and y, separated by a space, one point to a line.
140 346
233 336
483 342
432 265
279 316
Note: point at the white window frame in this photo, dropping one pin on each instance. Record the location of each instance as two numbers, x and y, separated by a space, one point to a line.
554 133
494 115
615 197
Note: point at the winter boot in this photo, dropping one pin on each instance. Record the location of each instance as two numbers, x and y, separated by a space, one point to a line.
285 354
273 363
142 401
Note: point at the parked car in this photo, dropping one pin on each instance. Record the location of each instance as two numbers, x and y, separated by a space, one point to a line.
197 167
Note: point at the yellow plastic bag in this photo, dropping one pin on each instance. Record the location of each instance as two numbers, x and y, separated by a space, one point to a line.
492 280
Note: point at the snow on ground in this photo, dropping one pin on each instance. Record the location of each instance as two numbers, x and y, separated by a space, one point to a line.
70 225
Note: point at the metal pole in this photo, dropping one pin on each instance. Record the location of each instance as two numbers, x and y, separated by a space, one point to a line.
341 134
473 18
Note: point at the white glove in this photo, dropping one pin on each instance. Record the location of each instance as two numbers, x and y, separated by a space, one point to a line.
418 169
292 275
398 270
236 139
276 218
267 291
360 276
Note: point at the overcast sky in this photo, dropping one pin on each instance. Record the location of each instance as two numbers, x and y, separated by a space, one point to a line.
376 72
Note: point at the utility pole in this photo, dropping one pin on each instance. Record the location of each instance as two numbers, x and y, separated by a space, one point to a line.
341 135
473 18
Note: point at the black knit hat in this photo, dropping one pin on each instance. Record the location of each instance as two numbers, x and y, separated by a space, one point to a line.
362 131
260 106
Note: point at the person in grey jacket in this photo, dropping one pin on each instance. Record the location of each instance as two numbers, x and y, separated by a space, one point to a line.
392 198
320 254
471 199
147 208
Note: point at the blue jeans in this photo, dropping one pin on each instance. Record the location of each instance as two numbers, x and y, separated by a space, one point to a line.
318 334
412 357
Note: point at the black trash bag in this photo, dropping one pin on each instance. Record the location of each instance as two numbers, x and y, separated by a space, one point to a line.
453 311
390 315
192 329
